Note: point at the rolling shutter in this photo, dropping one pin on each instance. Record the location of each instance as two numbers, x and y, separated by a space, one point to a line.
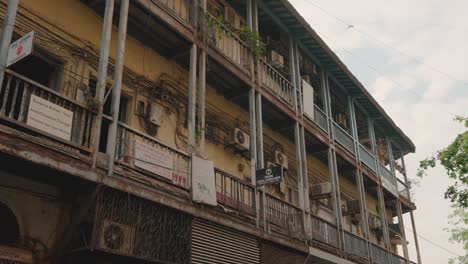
272 254
215 244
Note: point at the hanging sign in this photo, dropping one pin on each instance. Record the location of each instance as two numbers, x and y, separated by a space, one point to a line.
270 175
20 48
203 181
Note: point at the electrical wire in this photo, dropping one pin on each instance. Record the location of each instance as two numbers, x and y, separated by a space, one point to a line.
384 44
434 244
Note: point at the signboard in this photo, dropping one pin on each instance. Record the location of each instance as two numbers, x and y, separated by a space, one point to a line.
20 48
153 159
49 117
270 175
203 181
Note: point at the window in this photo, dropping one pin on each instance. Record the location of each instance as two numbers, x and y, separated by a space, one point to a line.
41 68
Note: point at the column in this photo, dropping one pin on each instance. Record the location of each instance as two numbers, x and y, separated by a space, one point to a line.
192 93
7 33
402 230
116 91
102 73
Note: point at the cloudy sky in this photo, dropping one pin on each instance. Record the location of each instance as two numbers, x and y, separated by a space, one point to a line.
411 56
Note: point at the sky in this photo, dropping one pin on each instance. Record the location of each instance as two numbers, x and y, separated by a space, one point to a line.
411 56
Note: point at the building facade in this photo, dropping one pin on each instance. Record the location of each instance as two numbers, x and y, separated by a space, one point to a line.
134 131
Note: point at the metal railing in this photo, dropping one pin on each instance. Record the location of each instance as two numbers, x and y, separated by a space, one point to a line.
324 232
284 215
234 193
402 188
16 93
320 118
379 255
344 138
388 179
157 159
398 259
182 9
355 245
367 158
275 82
228 43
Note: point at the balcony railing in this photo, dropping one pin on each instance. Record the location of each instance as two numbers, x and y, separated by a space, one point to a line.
284 215
388 179
228 43
155 159
234 193
320 118
181 9
324 232
403 189
275 82
355 245
344 138
379 255
367 158
16 94
398 259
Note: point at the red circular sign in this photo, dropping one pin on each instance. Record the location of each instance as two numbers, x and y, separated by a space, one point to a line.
19 50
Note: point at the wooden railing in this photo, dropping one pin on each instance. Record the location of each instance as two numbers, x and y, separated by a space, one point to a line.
379 255
181 9
275 82
388 179
402 188
343 138
284 215
148 154
355 245
234 193
16 95
324 232
228 43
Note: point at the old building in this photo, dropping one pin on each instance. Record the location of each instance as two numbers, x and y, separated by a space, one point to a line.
133 131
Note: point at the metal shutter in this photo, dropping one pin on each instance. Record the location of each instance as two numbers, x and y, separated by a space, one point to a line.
278 255
213 244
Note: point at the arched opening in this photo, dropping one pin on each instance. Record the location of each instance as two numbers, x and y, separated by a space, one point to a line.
9 227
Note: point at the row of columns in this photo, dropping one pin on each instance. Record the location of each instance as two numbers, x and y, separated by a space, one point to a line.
255 114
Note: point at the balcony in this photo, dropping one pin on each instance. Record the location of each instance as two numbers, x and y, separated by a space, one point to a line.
388 179
324 234
367 158
355 246
344 138
320 118
283 217
403 190
27 105
274 82
234 193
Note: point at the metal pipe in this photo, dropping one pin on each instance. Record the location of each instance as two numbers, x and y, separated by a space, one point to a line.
260 158
116 91
201 100
102 72
192 93
7 33
300 182
298 79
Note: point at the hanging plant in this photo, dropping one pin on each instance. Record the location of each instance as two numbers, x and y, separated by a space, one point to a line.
254 41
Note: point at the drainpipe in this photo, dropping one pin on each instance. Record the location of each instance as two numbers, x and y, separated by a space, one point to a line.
7 33
260 158
102 73
116 91
192 93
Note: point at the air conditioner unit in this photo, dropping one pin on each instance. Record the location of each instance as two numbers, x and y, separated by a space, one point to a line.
155 114
375 223
281 159
353 207
321 190
308 98
355 218
116 237
231 18
341 120
240 140
276 59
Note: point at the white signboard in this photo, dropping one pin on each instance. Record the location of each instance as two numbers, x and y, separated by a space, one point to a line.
20 48
50 117
154 160
308 93
203 181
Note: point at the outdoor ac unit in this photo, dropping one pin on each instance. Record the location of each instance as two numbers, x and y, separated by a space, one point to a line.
375 223
231 18
276 59
321 190
353 207
116 237
281 159
240 140
355 218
